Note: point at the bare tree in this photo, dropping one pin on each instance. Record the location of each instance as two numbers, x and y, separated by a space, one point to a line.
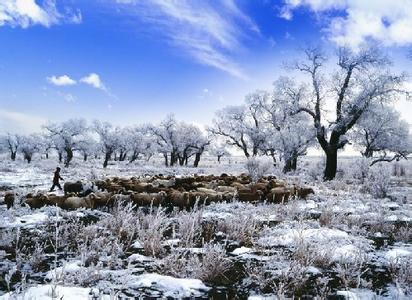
12 143
382 135
108 139
67 136
362 79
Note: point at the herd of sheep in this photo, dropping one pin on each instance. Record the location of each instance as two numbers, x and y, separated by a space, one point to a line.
182 192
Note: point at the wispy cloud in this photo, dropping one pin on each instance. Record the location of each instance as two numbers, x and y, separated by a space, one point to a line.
61 80
209 31
94 80
25 13
384 21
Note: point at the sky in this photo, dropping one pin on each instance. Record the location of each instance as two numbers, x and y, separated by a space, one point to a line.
135 61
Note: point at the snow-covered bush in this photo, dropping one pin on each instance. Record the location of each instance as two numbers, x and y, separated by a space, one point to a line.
378 181
242 228
151 229
180 264
190 227
258 166
215 263
358 169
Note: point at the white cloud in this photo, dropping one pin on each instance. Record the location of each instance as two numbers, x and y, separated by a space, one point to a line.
209 31
25 13
17 122
61 80
384 21
94 80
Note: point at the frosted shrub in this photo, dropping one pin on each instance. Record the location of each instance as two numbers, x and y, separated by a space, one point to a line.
258 166
215 263
400 269
181 264
190 227
241 229
151 229
378 181
359 169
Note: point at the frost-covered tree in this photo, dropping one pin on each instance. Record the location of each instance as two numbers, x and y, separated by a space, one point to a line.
166 137
29 145
141 143
12 143
240 127
382 135
362 78
219 151
108 139
67 136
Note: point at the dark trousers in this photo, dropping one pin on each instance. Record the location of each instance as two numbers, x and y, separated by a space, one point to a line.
54 185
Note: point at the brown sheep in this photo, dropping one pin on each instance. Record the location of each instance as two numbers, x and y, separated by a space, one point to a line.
147 199
36 201
55 200
80 202
248 196
280 194
9 199
303 192
179 199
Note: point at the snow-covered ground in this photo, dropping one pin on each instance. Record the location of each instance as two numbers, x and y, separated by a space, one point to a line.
342 240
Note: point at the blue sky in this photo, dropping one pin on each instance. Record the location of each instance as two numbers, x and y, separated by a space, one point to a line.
131 62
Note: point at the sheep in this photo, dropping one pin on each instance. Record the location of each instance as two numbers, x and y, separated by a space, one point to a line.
36 201
249 196
73 187
146 199
280 194
224 189
9 199
180 199
79 202
164 182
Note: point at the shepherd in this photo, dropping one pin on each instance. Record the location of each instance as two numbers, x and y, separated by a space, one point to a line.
56 179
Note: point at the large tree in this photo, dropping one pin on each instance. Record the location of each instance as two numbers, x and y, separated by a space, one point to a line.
67 136
382 135
362 78
108 139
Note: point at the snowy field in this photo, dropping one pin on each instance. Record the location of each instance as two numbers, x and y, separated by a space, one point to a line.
351 239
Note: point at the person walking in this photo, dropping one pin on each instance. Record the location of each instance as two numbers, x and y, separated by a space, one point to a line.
56 179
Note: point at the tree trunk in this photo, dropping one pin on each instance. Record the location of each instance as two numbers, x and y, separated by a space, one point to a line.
13 155
60 156
47 155
106 159
331 163
27 157
218 158
69 157
166 159
133 157
197 160
84 156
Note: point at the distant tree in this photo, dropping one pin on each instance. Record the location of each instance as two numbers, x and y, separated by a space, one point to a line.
166 139
382 135
219 151
362 78
29 145
67 136
240 127
108 138
12 143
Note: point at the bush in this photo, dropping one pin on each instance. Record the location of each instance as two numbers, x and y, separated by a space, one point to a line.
258 166
378 181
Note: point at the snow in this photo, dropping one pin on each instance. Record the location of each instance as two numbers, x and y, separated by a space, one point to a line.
40 292
69 267
241 250
138 257
26 220
395 253
169 286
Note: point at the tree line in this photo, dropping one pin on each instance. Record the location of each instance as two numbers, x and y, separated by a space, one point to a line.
351 104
